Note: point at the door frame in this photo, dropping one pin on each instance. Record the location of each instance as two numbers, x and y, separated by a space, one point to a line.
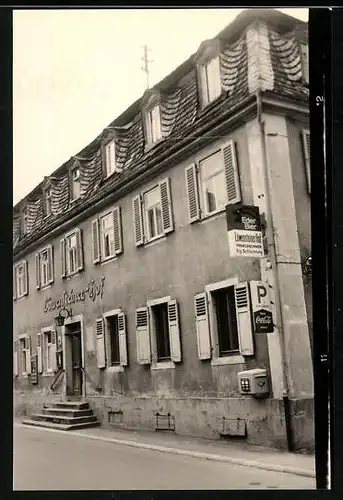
69 321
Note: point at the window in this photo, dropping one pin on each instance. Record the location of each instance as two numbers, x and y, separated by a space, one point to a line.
223 322
152 213
113 334
107 236
20 280
48 201
210 80
25 221
44 267
115 326
71 253
153 124
110 157
161 318
304 61
47 352
76 186
25 355
213 182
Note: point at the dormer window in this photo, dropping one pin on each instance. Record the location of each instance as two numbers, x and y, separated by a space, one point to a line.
210 80
24 221
153 124
48 201
304 61
75 183
110 158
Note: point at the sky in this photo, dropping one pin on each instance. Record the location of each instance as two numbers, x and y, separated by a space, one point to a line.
75 71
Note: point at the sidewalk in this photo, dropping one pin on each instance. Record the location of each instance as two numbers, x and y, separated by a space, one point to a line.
232 452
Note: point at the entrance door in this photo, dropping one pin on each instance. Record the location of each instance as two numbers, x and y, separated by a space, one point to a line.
76 361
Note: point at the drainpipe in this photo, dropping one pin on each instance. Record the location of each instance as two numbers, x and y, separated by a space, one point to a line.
272 256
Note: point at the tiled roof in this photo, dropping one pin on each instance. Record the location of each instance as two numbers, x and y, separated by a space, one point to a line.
181 116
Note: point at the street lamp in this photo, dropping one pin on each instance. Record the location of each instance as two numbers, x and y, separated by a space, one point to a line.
62 316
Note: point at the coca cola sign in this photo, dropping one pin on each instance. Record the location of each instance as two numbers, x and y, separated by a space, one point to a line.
263 321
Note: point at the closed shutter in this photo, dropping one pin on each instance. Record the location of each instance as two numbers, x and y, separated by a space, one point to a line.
53 350
138 220
50 264
202 326
15 358
307 157
143 336
166 203
122 339
37 261
231 173
100 343
95 241
39 353
28 354
174 331
203 84
192 193
26 278
244 325
79 250
63 257
14 283
117 230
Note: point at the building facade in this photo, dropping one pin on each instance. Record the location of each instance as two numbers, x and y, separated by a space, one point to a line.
128 241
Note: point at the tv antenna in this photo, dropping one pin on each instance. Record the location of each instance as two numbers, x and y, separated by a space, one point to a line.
146 62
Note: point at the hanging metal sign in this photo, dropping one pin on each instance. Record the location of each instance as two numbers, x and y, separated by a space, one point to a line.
261 307
244 231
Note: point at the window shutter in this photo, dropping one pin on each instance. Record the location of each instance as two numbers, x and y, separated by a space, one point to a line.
143 336
15 358
203 84
79 250
215 77
63 257
243 313
138 221
192 193
166 203
100 343
39 353
231 173
50 264
53 350
96 241
28 354
14 283
117 229
307 157
37 260
174 331
26 278
122 339
202 326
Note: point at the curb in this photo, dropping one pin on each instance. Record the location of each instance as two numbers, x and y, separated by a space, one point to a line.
177 451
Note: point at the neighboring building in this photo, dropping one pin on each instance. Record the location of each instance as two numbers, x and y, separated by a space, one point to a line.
131 235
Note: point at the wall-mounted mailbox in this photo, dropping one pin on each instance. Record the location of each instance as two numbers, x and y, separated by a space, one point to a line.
253 382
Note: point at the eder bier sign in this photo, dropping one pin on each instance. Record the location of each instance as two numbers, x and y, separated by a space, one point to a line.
244 231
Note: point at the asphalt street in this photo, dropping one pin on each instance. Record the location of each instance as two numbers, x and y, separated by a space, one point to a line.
44 460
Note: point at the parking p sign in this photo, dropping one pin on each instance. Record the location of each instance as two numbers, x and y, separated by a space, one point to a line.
261 307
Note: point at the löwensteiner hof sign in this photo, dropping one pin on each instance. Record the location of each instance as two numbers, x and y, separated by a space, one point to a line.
91 291
244 231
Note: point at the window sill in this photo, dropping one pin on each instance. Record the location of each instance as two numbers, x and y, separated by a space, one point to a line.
108 259
70 276
214 215
154 240
21 297
207 106
235 359
151 145
45 287
115 369
163 365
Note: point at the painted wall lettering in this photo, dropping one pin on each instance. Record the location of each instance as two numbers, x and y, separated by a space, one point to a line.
91 291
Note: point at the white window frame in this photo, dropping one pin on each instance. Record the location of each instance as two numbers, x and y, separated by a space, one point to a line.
153 128
41 266
234 358
22 264
157 365
74 181
67 251
115 368
102 236
48 201
44 332
22 352
110 157
220 171
145 215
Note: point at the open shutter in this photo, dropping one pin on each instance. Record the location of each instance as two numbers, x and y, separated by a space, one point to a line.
100 343
166 203
15 358
63 257
37 261
122 339
50 264
95 241
143 336
28 354
53 350
26 278
117 230
14 283
79 250
39 353
192 193
202 326
174 331
138 220
307 156
231 173
243 313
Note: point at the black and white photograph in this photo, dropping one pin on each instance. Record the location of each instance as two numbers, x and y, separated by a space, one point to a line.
162 257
